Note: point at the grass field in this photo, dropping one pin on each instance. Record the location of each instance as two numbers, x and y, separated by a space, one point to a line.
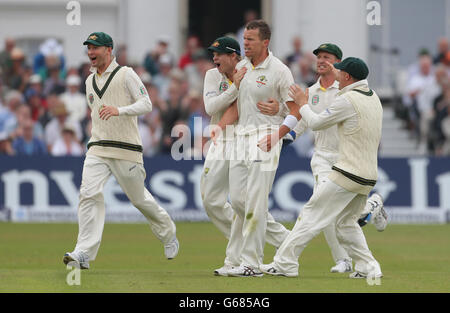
414 258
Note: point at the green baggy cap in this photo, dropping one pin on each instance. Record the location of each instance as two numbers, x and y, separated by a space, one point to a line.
225 45
356 67
330 48
99 39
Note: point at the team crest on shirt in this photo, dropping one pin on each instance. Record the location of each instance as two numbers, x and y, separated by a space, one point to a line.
315 100
206 170
261 81
91 98
223 86
142 90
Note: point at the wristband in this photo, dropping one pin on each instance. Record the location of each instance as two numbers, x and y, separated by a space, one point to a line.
290 121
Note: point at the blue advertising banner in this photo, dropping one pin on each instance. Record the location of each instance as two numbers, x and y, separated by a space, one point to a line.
415 190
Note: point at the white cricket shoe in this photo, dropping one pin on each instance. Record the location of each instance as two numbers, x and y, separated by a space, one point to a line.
224 270
271 269
77 259
379 216
342 266
171 249
245 271
361 275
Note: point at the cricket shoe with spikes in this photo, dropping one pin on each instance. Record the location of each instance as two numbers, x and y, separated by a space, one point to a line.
271 269
77 259
245 271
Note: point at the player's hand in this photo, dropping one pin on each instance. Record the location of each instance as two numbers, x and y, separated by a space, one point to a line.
106 111
266 143
332 69
215 133
300 97
238 76
271 107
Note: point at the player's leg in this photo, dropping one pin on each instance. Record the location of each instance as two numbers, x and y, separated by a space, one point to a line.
214 188
131 178
91 208
319 212
238 193
352 238
261 172
340 256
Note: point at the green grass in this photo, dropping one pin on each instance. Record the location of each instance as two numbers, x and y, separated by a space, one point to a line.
414 258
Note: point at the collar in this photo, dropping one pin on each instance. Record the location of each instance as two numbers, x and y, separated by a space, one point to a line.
318 86
263 64
360 83
109 69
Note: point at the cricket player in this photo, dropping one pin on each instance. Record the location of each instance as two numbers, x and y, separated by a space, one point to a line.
253 171
220 92
116 96
326 151
341 197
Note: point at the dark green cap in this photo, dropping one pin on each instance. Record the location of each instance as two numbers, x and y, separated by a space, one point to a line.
225 45
330 48
99 39
356 67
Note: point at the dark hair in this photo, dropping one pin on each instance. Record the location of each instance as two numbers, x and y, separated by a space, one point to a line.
264 29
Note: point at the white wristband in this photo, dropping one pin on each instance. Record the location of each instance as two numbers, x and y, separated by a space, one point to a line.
290 121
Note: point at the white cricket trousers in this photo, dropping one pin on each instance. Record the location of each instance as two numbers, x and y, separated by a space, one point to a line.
91 208
214 188
330 203
337 251
251 181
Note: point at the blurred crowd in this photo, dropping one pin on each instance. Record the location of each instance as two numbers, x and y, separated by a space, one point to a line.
425 104
43 107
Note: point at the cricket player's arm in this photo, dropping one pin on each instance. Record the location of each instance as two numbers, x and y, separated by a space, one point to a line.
138 94
340 110
230 116
214 100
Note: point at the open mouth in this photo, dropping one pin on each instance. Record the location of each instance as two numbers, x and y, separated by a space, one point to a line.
217 64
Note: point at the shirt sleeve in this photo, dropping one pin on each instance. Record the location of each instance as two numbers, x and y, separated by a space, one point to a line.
300 128
339 111
213 99
139 96
285 81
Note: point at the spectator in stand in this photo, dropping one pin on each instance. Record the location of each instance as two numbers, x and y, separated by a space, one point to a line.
5 145
249 15
162 80
54 128
49 47
198 120
52 76
17 77
74 100
304 70
8 120
84 72
67 144
5 57
197 70
296 54
23 115
26 143
150 125
173 113
443 49
441 110
122 55
418 100
151 61
192 45
45 115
